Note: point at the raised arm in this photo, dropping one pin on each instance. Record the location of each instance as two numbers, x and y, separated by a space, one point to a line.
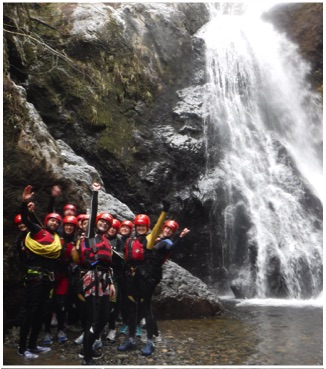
55 192
27 197
158 226
90 232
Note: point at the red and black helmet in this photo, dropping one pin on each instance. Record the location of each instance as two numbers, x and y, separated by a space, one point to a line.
52 215
171 224
70 219
70 207
142 219
106 216
115 223
127 223
80 217
18 219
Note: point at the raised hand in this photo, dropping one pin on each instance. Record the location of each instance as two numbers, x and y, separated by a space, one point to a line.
27 194
184 232
56 191
96 186
31 207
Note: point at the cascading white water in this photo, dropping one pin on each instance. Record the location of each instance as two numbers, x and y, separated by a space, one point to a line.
264 148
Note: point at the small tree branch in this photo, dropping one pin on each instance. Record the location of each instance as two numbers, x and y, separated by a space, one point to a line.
62 56
43 23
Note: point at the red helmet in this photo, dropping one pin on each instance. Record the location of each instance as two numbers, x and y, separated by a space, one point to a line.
115 223
84 217
18 219
70 207
127 223
171 224
52 215
80 217
106 216
70 219
142 219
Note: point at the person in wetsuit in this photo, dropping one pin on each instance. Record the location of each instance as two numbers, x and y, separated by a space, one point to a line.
94 256
42 249
163 248
60 304
139 292
118 269
125 232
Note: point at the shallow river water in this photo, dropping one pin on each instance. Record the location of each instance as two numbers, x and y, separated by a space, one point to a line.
249 333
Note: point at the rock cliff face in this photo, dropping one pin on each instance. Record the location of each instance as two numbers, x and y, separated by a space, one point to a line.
89 96
303 24
105 92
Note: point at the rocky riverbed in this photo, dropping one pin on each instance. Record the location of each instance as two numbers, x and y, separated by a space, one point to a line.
190 342
242 335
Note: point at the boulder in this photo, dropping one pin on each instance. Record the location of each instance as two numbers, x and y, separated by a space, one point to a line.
180 295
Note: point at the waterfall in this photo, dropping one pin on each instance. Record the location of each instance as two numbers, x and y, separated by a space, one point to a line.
263 129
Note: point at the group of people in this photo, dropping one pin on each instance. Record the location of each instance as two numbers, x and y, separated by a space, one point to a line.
91 266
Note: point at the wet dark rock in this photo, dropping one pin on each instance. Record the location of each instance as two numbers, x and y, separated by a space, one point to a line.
180 295
242 289
303 23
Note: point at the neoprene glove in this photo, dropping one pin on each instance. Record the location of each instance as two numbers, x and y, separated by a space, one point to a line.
166 205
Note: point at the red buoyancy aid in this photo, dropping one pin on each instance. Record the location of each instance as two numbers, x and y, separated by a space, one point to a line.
66 250
134 250
43 237
101 252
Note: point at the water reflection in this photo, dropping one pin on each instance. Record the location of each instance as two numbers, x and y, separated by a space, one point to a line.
247 334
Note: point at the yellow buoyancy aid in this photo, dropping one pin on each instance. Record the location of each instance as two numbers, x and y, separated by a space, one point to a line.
50 251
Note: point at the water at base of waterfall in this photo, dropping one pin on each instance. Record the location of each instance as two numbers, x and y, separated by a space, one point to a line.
250 332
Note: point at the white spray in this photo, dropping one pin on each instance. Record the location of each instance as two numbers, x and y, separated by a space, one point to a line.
267 125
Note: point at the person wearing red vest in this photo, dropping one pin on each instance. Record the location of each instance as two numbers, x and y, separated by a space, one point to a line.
118 270
43 249
137 250
60 293
125 231
94 256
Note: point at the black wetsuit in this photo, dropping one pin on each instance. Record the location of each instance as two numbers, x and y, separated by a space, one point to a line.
139 290
96 307
39 281
118 265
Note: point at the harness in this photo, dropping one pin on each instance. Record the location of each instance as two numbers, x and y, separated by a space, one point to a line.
40 273
96 260
100 275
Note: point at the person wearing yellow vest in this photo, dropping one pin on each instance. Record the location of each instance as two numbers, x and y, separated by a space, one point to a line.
42 249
